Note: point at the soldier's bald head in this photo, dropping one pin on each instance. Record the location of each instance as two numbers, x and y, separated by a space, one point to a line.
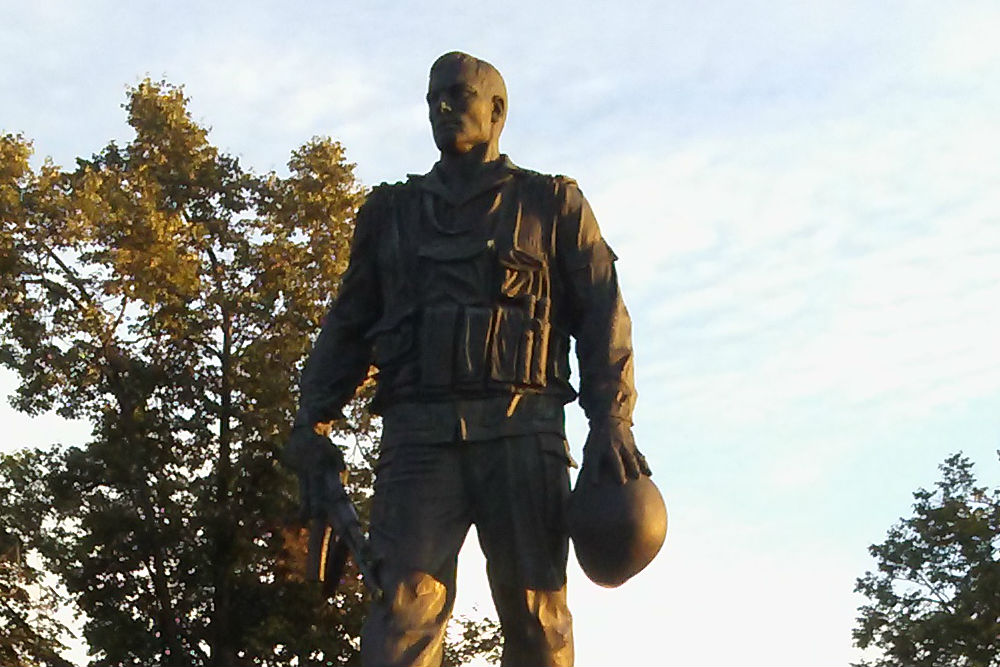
489 76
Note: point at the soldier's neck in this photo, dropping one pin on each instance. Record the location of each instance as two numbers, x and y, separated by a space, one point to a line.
460 171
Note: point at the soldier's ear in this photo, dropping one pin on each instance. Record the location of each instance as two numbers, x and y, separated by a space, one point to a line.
499 108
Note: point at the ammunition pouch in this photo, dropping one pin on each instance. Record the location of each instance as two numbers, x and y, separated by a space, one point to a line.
471 347
518 353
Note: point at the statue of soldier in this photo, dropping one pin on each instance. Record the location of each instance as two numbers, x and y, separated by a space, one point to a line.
463 289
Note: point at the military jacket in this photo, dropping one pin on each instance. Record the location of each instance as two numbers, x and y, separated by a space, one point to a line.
466 305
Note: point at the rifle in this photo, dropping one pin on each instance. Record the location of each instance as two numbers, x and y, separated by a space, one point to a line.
334 535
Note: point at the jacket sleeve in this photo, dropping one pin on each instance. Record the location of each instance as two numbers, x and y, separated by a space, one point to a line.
341 356
596 313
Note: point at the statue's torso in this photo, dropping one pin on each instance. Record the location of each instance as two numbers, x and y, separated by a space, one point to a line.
467 325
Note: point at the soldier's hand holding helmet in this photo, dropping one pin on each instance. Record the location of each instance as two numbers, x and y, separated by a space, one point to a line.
610 453
616 516
311 453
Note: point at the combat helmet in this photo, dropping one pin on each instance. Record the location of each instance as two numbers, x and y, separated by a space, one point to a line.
617 529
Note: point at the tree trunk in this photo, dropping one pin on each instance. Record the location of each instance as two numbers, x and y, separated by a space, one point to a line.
223 650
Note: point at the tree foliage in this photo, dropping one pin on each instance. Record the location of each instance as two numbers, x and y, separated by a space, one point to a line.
29 627
167 294
935 597
469 638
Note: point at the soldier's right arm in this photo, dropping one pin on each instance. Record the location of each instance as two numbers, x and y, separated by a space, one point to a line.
341 355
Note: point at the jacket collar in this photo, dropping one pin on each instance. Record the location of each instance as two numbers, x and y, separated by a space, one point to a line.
489 179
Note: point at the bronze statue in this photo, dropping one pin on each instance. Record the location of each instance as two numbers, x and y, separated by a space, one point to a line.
464 287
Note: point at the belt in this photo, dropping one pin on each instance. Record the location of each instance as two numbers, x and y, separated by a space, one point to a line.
473 419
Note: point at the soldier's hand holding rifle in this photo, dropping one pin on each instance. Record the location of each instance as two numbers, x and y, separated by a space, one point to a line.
334 529
311 453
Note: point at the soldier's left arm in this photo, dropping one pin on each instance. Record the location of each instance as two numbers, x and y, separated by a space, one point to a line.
601 325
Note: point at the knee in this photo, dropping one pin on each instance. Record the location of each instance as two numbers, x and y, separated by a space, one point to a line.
538 629
407 626
550 613
418 600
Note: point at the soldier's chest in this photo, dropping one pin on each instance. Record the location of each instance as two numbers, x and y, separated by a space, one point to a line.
463 251
456 248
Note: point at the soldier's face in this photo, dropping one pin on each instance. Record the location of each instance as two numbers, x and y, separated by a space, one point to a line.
461 107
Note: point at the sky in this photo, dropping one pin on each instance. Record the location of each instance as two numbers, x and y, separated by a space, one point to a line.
804 199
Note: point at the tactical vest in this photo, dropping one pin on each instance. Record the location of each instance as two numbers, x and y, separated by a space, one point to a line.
469 312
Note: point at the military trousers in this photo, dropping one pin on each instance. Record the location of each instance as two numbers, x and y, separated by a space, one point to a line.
427 495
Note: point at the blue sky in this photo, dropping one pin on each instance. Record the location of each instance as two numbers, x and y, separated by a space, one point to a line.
804 199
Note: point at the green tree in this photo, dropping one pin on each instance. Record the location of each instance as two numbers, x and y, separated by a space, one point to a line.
935 598
167 294
29 629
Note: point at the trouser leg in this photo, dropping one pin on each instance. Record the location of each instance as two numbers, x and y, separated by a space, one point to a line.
420 518
537 627
407 627
522 487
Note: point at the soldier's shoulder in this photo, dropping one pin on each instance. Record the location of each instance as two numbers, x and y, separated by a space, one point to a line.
386 189
384 194
559 189
541 177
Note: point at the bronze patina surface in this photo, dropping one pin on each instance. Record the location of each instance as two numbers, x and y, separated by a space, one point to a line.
464 288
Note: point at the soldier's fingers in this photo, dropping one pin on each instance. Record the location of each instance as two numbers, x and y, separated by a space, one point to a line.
643 465
629 439
616 467
601 467
629 464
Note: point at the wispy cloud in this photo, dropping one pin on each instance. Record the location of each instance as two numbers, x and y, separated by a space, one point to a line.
855 258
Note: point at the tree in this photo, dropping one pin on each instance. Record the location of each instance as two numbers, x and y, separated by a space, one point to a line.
471 638
29 629
167 294
935 597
